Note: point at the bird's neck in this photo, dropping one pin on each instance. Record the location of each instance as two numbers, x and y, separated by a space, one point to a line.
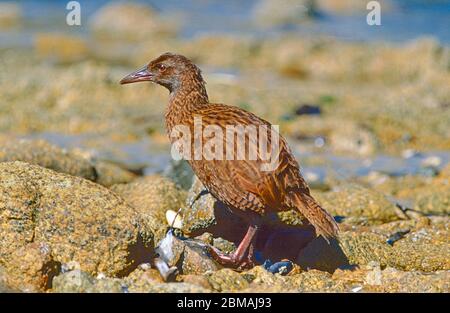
184 100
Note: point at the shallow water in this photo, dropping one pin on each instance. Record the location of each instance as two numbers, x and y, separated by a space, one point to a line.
409 19
155 158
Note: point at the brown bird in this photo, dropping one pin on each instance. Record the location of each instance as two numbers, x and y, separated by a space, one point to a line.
240 183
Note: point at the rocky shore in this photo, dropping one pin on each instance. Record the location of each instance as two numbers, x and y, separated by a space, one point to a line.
62 231
86 180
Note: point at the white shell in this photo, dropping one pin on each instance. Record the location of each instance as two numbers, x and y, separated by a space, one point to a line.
170 216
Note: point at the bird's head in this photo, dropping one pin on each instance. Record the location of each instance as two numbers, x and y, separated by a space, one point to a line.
169 70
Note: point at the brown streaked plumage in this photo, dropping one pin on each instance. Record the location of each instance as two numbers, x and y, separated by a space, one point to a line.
241 184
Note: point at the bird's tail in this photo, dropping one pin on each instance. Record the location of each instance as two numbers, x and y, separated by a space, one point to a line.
322 221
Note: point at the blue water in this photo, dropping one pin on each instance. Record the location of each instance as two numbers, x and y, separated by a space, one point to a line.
410 19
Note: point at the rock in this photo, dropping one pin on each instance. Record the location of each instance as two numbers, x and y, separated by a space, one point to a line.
426 249
393 280
371 278
341 135
153 196
320 255
73 282
200 215
359 205
109 174
4 287
180 172
310 281
284 12
209 215
426 195
50 218
60 48
73 162
168 288
10 14
221 51
140 275
77 281
117 21
109 285
361 248
198 280
422 250
189 256
150 281
433 199
314 280
35 269
224 245
354 139
44 154
227 280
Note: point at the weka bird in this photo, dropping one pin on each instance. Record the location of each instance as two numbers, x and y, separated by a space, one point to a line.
241 184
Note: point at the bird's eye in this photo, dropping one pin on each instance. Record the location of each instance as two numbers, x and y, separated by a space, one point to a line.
161 67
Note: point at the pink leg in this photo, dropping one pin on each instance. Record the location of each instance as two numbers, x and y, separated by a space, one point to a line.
236 259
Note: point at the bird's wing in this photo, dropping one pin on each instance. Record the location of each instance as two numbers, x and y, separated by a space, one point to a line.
253 180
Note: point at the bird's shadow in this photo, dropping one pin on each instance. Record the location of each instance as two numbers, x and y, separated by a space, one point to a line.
278 241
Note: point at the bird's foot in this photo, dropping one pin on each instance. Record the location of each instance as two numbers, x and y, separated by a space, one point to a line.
233 260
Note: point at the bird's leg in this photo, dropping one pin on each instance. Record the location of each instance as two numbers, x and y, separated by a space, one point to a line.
236 259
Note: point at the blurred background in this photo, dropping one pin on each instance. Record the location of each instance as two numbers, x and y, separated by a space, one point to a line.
357 103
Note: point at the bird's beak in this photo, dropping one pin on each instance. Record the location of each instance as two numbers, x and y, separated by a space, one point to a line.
139 76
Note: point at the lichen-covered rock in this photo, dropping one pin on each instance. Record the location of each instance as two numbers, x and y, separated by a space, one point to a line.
200 215
361 248
425 249
198 280
433 199
149 280
168 288
44 154
209 215
227 280
77 281
49 218
153 196
60 48
372 278
393 280
73 282
221 51
359 205
309 281
118 21
109 174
